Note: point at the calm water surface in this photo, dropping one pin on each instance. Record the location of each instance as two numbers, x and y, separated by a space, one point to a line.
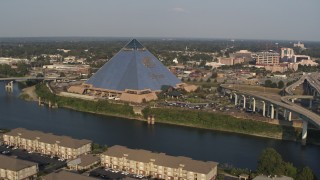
233 149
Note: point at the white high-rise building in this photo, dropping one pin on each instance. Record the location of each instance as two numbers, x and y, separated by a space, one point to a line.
287 52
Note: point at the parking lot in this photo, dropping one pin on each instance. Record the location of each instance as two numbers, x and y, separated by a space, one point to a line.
113 174
45 163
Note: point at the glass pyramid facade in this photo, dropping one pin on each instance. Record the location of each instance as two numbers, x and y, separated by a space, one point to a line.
135 68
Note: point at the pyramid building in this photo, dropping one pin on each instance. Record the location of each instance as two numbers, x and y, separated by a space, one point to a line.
135 68
133 74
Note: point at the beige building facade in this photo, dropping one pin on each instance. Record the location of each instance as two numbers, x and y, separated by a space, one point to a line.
47 143
83 162
267 58
16 169
157 165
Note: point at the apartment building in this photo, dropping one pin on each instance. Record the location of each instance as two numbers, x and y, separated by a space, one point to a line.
83 162
47 143
16 169
267 58
157 165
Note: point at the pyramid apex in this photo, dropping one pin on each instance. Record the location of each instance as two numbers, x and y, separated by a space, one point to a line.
134 44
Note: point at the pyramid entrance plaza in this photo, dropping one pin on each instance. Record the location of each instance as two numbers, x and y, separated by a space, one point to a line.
133 75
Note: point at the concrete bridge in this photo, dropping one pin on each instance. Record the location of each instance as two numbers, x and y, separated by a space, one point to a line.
30 78
9 81
311 79
271 107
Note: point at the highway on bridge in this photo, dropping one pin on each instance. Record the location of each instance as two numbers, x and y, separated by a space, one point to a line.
29 78
285 103
312 78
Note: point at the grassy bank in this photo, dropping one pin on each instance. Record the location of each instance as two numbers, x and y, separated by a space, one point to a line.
191 118
101 107
222 122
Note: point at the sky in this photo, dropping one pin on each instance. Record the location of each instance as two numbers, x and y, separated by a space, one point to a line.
230 19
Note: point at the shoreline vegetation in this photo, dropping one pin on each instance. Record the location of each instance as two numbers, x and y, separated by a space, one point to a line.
180 117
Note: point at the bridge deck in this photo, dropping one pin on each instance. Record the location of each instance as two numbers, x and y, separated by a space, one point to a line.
285 103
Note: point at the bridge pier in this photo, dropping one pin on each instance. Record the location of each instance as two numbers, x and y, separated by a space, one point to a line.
289 116
9 87
254 105
263 108
285 114
235 99
244 101
304 132
272 112
277 112
310 103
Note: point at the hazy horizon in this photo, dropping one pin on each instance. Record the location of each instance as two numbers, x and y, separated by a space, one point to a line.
290 20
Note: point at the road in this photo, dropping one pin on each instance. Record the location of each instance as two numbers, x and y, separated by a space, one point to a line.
312 78
29 78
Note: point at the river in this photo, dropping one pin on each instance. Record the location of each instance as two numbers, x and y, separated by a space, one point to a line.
226 148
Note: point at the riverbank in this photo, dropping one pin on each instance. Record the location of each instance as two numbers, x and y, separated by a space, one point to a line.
29 94
180 117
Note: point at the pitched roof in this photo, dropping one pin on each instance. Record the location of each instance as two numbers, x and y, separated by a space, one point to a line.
14 164
49 138
133 67
161 159
85 160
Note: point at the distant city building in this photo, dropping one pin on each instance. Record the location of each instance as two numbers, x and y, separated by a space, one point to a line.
287 53
15 169
67 69
231 61
242 54
157 165
64 50
307 62
47 143
175 60
299 45
267 58
297 58
12 61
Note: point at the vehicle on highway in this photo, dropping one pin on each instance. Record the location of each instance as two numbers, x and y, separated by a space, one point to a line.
6 152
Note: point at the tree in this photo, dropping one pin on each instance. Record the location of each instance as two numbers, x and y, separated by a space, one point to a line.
305 174
270 163
22 68
273 85
62 74
214 75
268 83
280 84
290 170
39 75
